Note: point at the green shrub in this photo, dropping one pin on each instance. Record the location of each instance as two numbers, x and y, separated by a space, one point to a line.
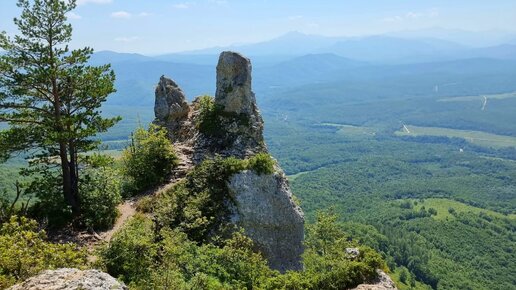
262 163
49 205
132 251
146 204
207 119
327 265
100 195
148 161
24 252
211 117
199 205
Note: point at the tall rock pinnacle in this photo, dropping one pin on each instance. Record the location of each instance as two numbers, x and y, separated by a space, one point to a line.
234 92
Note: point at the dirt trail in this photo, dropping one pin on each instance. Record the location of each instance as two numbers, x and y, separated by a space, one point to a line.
126 209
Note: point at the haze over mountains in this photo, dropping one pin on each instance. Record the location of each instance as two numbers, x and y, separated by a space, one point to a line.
297 59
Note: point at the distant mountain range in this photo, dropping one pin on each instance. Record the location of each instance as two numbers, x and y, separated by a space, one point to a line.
431 45
297 59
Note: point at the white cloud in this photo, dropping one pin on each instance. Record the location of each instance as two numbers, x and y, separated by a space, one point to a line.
295 17
127 39
84 2
121 15
181 6
72 15
144 14
218 2
411 15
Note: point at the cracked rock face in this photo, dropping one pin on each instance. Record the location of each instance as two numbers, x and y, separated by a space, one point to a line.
234 91
170 103
267 212
70 279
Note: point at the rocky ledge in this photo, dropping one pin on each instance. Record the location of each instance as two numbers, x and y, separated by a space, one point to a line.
382 282
70 279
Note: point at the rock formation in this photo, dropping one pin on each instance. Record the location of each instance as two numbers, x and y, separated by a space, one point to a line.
265 209
382 282
70 279
170 104
263 204
234 91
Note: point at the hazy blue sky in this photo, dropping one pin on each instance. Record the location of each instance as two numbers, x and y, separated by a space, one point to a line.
157 26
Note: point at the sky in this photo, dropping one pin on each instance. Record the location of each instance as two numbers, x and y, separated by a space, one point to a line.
165 26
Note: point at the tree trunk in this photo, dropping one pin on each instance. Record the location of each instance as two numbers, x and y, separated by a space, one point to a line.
68 188
74 174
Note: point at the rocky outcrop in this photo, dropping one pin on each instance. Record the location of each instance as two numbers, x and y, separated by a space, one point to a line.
263 204
237 128
382 282
71 279
170 104
266 210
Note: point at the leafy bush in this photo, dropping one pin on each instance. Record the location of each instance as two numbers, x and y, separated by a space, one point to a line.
211 117
207 119
100 195
199 205
262 163
50 206
132 251
24 252
327 265
149 160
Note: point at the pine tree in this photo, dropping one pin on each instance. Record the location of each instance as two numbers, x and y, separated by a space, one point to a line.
49 95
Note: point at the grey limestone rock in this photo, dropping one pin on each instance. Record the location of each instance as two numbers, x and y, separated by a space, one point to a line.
269 216
70 279
234 91
382 282
170 103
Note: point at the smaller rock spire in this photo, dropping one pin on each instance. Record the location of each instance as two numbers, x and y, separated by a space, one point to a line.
170 104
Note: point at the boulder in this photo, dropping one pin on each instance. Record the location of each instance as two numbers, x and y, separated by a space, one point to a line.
170 103
70 279
382 282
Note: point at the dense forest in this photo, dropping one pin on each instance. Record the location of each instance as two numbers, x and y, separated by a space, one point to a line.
435 208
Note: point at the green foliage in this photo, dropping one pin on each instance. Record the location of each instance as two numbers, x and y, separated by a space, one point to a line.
148 161
132 251
262 163
147 258
49 96
24 252
199 205
403 276
212 117
326 261
168 259
100 195
208 118
49 206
